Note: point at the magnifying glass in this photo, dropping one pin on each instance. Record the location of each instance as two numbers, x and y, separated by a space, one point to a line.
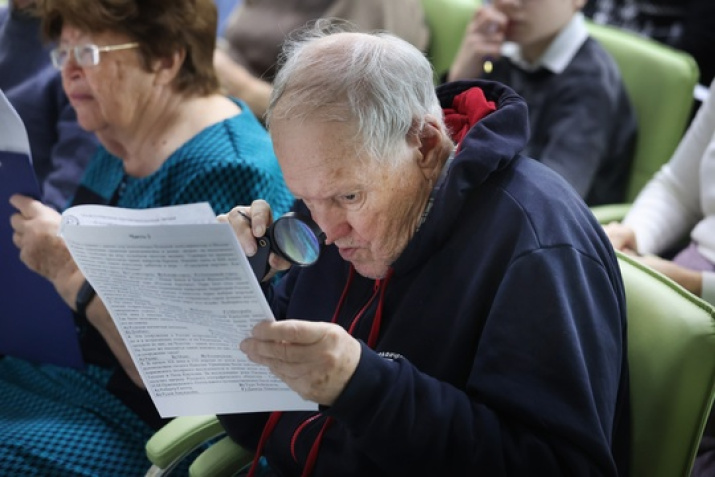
293 237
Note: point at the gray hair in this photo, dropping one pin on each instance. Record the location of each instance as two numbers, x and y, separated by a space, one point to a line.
378 81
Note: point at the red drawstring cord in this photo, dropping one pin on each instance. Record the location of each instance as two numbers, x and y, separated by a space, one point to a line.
380 285
267 429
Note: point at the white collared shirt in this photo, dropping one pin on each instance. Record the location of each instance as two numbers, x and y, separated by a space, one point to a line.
559 53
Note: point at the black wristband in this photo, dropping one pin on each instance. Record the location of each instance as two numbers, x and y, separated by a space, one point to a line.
84 296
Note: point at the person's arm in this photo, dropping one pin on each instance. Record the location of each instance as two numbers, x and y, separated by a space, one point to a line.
99 317
691 280
669 205
35 229
238 82
573 122
541 398
69 155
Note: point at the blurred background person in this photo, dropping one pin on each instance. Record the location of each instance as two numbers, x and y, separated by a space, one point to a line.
678 203
582 123
60 147
671 226
140 75
248 53
688 25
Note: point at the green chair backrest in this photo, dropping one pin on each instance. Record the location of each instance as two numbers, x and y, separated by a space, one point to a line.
447 21
671 352
660 82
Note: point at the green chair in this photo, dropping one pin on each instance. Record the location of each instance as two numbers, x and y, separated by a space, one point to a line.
660 82
447 21
184 436
671 352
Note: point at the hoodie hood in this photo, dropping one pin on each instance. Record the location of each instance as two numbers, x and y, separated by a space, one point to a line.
489 124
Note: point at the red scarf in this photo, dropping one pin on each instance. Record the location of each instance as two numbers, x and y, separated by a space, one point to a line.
468 107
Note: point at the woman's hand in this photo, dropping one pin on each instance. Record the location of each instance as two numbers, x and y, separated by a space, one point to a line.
622 237
35 227
249 223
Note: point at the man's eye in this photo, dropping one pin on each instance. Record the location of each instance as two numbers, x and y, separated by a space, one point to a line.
350 197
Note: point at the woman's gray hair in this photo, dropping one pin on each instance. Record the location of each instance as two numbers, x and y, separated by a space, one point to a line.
378 81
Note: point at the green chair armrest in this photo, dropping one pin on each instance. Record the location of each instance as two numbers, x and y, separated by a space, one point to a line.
178 438
222 459
606 214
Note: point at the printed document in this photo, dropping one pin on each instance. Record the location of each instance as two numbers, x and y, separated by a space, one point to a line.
183 296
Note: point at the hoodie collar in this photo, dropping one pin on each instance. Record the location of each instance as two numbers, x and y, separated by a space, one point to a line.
489 143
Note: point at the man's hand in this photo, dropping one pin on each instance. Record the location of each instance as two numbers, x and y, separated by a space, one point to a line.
248 223
316 360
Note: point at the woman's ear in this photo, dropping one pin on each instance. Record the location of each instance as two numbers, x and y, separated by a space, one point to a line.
167 68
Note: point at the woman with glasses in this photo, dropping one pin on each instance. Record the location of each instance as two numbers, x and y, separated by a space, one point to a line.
139 74
60 148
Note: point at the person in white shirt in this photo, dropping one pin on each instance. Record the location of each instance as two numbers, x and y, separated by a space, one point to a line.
677 204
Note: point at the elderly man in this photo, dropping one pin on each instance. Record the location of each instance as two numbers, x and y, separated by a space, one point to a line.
466 316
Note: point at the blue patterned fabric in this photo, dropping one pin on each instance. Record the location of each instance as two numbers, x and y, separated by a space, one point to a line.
60 421
64 422
230 163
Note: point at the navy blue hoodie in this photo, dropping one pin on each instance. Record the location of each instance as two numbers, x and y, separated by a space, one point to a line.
502 344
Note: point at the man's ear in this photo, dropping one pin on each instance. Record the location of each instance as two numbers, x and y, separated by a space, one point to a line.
429 140
166 68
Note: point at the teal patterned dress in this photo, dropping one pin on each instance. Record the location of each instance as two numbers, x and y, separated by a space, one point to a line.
58 421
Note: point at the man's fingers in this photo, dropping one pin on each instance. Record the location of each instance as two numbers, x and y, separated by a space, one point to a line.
292 331
261 217
266 352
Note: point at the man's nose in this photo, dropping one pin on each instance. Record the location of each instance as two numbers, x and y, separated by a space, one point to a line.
332 222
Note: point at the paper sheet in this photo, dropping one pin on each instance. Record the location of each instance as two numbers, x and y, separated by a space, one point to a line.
183 296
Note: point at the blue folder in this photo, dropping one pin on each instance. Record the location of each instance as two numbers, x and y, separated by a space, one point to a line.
35 323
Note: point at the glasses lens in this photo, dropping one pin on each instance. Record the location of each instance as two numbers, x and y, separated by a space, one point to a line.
87 55
59 57
296 240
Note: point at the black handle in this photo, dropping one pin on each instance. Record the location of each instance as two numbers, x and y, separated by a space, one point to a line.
259 261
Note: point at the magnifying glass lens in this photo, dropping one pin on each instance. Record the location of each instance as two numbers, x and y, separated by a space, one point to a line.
296 240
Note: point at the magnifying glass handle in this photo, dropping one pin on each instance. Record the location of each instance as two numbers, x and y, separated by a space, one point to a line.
259 261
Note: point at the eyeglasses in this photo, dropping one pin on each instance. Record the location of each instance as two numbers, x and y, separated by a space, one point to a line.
85 55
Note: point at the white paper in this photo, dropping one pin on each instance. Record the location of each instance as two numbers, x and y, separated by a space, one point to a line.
183 296
13 136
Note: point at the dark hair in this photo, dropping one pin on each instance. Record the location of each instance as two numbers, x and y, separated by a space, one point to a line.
161 27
